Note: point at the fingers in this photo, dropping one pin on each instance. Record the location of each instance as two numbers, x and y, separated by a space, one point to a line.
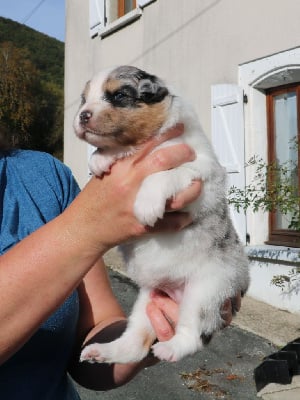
167 158
230 308
226 312
172 222
163 159
187 196
164 331
236 302
163 314
177 130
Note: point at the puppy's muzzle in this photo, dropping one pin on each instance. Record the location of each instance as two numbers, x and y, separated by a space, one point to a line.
84 117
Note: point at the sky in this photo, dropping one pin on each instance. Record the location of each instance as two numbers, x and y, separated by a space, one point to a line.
46 16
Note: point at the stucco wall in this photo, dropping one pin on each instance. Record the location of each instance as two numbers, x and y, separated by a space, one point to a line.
193 44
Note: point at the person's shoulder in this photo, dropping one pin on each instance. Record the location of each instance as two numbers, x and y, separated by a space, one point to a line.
39 160
48 171
33 156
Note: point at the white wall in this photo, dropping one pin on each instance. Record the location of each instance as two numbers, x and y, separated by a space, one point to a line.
194 45
266 263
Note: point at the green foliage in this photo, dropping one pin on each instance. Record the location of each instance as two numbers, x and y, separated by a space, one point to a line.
31 88
46 53
273 188
16 73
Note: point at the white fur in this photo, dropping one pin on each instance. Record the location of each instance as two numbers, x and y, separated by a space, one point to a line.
201 265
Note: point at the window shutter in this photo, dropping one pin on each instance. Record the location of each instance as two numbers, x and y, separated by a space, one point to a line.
228 140
97 16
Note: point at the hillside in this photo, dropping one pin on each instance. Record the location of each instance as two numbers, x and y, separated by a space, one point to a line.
31 88
46 53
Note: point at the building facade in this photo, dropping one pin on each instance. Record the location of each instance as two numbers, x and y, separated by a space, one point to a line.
238 63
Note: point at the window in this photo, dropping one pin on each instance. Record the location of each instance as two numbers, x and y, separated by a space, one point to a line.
258 78
125 6
283 123
108 16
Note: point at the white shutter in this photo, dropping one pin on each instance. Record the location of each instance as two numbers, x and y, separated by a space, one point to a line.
97 16
229 141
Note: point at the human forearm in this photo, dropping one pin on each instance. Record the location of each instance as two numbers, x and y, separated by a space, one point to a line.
36 276
106 376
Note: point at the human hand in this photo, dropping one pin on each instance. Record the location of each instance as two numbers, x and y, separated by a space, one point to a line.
104 209
187 196
163 313
230 308
174 219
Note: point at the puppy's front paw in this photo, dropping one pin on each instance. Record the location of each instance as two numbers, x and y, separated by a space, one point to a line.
99 163
150 203
147 213
149 210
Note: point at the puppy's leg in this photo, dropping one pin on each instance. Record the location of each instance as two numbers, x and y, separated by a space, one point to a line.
199 314
133 345
100 162
156 189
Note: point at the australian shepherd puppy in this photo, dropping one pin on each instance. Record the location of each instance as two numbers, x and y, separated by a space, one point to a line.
200 266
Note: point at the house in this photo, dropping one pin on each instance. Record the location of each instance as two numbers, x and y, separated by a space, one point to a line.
238 63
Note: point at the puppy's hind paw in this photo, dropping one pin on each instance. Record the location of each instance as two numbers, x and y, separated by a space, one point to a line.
176 348
91 354
164 351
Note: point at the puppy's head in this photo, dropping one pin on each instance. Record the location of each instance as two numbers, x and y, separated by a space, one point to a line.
121 107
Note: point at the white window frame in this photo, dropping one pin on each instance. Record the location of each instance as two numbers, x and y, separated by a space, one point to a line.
144 3
254 78
109 22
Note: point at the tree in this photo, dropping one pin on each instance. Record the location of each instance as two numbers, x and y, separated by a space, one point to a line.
17 77
31 109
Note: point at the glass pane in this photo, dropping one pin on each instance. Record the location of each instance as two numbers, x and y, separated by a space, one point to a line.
129 5
285 114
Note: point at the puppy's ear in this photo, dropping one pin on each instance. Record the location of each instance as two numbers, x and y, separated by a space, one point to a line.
151 91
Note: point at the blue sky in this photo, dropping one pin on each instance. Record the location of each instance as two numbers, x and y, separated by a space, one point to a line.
46 16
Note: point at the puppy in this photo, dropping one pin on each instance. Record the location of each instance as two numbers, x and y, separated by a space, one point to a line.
200 266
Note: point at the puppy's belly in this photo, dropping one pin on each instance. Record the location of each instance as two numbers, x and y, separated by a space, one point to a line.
174 291
155 264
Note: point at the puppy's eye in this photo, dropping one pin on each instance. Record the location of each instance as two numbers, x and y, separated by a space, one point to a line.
119 96
83 100
122 97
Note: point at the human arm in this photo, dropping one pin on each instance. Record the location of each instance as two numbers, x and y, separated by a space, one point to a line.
102 320
162 312
39 273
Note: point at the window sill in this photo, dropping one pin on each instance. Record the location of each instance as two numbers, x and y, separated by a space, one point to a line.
274 254
119 23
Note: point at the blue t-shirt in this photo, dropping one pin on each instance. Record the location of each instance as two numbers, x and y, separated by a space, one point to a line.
34 189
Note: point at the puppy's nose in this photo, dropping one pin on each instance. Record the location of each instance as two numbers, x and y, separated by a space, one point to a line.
85 116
